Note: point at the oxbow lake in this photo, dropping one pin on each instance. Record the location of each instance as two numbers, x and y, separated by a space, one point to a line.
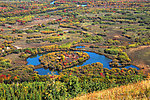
94 57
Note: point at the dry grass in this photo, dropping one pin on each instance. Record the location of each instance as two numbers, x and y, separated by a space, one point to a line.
138 48
136 91
140 57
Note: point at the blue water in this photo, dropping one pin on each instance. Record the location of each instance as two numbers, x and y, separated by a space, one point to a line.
52 2
42 71
97 58
83 5
34 60
132 66
93 59
80 47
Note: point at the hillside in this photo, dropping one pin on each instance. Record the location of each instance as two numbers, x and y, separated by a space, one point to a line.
136 91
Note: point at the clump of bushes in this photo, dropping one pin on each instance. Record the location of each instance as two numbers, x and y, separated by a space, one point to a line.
4 63
92 39
119 55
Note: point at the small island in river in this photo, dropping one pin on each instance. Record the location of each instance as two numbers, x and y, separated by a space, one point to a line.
61 60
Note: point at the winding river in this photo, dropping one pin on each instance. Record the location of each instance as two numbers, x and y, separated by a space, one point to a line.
93 59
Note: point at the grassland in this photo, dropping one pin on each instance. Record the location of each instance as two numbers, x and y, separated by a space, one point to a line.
136 91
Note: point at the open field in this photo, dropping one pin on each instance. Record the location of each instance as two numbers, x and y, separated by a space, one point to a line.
140 56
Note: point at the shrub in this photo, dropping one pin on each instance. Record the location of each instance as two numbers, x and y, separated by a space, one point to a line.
29 31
